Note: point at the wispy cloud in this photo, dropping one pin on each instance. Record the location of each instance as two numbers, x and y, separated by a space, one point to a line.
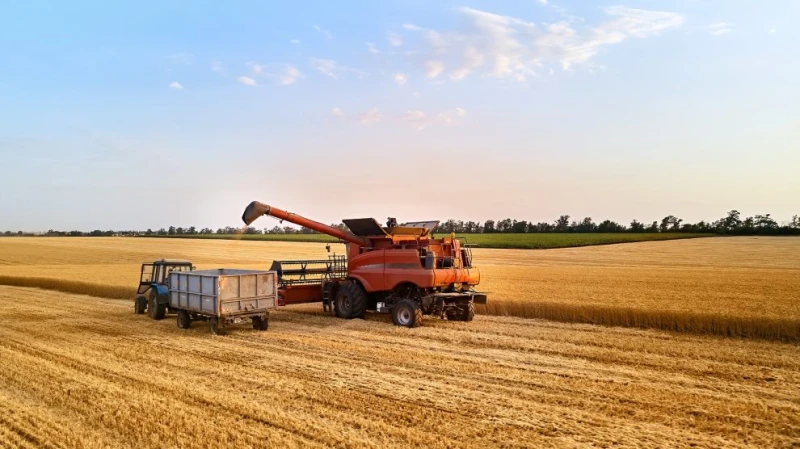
327 34
394 40
284 74
420 120
181 58
247 81
289 74
217 67
372 49
175 85
720 28
333 69
433 68
400 78
371 116
506 46
295 41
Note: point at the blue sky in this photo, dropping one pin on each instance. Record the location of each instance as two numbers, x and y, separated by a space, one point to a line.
150 114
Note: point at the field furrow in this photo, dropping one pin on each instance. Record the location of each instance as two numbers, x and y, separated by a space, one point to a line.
86 372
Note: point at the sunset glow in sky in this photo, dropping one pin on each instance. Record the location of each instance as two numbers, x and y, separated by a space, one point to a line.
151 114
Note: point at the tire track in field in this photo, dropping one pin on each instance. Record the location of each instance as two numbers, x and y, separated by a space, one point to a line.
317 381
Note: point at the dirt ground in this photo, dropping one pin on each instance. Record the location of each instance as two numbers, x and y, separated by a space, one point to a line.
78 371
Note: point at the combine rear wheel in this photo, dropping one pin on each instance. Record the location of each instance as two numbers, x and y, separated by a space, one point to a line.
351 300
184 320
465 312
140 305
407 313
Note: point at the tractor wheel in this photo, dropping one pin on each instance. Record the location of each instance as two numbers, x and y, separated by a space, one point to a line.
351 300
184 320
140 305
260 323
407 313
214 327
156 310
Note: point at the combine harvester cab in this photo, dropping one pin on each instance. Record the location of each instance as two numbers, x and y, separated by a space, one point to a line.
399 269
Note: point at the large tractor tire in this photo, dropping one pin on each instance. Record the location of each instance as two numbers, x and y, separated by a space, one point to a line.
140 305
465 312
407 313
154 309
351 300
184 320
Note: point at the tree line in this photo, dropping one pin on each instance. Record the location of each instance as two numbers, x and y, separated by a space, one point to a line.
731 224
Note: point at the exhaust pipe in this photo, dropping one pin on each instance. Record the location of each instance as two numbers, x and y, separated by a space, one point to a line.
253 211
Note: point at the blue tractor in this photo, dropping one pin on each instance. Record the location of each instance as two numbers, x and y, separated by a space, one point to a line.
153 292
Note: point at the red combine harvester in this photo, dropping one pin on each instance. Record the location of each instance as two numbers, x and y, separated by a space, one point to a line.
400 269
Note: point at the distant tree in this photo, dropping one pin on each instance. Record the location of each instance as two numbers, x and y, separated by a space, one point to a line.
653 227
171 230
795 223
148 232
730 223
162 231
586 225
636 226
519 227
765 222
670 223
206 231
562 224
610 226
488 226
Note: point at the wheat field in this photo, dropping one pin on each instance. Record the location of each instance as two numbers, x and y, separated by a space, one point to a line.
85 372
737 286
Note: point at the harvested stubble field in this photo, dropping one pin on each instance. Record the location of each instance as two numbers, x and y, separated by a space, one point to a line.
80 371
740 286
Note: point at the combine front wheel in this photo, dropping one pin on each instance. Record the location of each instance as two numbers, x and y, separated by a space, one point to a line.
407 313
351 301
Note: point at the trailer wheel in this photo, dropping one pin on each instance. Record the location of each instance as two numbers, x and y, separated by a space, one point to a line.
140 305
351 300
407 313
213 326
260 323
184 320
154 309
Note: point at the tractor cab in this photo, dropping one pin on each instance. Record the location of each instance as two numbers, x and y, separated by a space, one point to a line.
154 278
157 273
